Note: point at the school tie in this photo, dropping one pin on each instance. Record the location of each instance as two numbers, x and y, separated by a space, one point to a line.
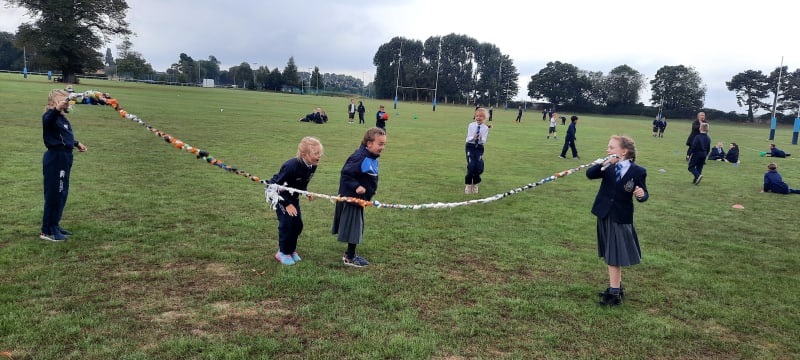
619 171
478 135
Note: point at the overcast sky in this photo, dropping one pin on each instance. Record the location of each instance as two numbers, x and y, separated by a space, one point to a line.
718 39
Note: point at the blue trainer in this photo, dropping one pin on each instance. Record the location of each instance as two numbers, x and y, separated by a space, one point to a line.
296 257
355 261
283 258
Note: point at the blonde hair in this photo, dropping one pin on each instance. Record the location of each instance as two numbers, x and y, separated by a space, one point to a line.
484 111
56 95
307 144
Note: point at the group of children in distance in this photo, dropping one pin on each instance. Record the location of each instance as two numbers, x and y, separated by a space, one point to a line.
659 125
699 143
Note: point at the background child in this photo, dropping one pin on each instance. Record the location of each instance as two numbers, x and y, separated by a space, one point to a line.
662 125
552 129
380 118
569 141
359 179
294 173
717 153
774 182
477 132
701 144
775 152
617 241
733 153
361 110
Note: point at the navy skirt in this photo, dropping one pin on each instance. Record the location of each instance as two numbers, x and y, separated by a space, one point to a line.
617 243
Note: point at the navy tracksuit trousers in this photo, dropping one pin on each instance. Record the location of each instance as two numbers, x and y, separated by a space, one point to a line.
56 166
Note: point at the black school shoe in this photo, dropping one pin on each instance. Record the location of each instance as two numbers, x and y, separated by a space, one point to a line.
610 300
608 291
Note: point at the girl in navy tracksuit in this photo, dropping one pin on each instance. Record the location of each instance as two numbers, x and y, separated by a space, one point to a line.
358 179
617 241
295 173
56 164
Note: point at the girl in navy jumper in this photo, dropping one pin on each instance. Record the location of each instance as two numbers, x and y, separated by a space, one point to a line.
617 241
56 164
295 173
359 179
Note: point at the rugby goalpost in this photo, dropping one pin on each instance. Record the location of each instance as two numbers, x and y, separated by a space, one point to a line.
435 89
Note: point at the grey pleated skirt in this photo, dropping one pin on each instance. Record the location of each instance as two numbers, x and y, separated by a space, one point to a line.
617 243
348 223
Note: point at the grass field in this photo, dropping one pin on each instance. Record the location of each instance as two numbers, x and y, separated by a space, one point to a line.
171 257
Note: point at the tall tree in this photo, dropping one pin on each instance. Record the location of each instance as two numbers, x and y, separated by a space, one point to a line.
750 88
290 76
589 90
387 61
558 82
780 100
496 76
274 80
792 92
679 88
316 80
186 69
131 64
411 71
11 57
244 73
209 69
67 33
623 85
109 58
261 77
458 64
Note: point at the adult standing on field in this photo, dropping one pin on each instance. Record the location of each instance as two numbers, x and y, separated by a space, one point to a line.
56 164
701 119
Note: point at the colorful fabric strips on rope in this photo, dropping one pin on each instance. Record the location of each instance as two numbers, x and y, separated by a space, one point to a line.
271 193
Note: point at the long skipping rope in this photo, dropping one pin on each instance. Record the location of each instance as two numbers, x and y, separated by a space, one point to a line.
272 191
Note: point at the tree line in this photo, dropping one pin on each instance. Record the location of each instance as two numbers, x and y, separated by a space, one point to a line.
65 35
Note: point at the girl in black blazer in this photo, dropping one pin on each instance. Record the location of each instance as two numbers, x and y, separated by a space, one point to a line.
617 242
